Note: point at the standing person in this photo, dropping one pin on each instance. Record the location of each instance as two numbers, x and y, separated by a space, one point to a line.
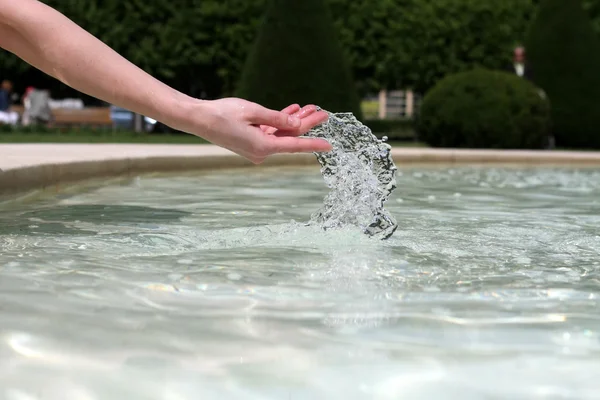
523 69
5 90
26 105
6 115
37 107
520 66
53 43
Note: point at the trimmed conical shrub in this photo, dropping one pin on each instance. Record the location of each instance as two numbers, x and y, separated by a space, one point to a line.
564 53
297 59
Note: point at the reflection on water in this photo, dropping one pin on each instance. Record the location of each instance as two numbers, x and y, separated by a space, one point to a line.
212 286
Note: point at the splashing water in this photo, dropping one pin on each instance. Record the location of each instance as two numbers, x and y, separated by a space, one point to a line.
361 175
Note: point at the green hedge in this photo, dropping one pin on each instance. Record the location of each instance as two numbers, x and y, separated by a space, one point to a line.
565 54
484 109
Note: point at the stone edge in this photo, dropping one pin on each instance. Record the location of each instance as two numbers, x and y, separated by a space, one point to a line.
39 177
43 176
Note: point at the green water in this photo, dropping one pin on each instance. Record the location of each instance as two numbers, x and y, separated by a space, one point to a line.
201 286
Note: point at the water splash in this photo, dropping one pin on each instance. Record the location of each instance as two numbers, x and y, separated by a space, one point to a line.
361 175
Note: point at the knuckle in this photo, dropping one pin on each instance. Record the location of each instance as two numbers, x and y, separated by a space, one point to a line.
247 113
283 118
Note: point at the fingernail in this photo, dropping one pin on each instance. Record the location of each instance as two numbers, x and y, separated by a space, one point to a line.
294 121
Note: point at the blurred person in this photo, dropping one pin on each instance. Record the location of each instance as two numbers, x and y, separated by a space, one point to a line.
523 69
50 41
37 107
5 90
7 116
520 66
26 105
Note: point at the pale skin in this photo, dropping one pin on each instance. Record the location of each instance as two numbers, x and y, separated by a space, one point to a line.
51 42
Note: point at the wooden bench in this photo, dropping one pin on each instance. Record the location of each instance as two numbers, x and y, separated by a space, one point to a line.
18 109
89 116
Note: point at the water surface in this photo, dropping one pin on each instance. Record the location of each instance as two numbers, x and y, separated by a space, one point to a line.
209 285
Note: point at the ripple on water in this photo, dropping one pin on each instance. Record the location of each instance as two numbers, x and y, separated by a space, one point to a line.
213 285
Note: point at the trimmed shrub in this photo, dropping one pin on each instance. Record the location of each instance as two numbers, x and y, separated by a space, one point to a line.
564 53
484 109
297 59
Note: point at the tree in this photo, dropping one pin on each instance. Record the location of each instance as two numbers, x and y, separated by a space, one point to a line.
201 46
297 58
564 52
433 39
593 9
196 46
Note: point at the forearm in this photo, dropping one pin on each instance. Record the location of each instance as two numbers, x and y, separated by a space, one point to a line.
54 44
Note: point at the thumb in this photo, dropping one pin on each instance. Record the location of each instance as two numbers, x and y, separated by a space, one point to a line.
275 119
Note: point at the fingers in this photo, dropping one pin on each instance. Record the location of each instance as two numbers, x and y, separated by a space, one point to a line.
289 144
290 110
302 113
279 131
307 111
310 118
276 119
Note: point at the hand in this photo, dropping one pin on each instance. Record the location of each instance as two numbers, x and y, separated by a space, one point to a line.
255 132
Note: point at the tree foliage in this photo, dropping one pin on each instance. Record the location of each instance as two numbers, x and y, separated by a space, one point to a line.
565 55
200 46
197 46
456 35
297 58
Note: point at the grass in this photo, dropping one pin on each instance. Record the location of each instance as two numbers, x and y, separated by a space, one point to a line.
99 137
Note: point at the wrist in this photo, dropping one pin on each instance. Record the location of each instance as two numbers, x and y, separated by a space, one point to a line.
186 114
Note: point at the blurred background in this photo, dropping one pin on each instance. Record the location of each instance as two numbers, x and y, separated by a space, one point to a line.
444 73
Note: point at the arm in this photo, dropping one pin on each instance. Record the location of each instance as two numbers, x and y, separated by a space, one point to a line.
54 44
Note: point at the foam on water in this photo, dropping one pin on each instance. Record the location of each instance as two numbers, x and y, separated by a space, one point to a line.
361 175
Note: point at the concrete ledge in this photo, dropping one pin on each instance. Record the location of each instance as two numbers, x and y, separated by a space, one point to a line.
26 167
502 157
